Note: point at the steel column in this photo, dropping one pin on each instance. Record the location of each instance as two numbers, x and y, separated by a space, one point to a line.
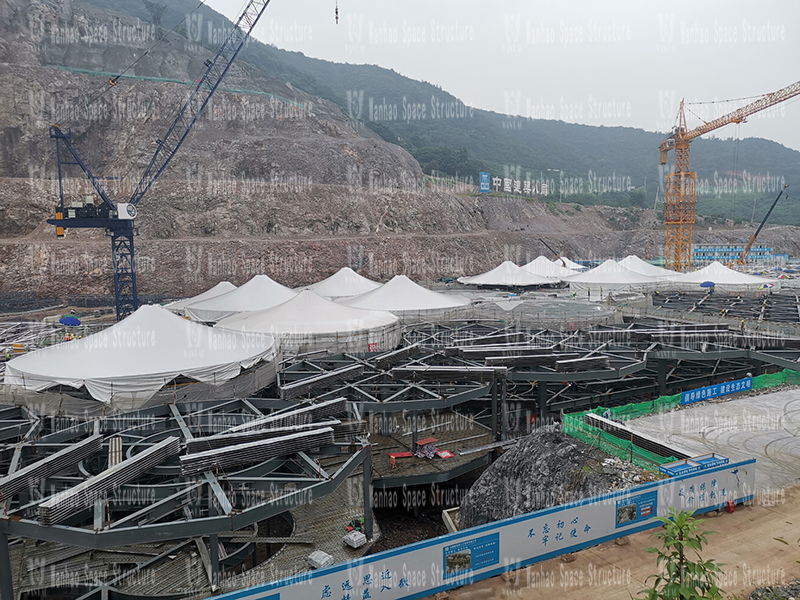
494 412
366 468
541 399
213 540
6 583
662 377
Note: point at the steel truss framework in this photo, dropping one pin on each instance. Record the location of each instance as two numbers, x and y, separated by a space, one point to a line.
161 504
642 360
780 307
502 376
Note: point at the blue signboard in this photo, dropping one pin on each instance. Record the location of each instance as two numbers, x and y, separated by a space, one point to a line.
486 182
714 391
471 554
637 508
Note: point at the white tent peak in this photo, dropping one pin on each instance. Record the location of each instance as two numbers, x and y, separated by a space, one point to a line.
223 287
544 267
507 274
637 265
400 294
611 272
138 356
345 282
259 293
308 312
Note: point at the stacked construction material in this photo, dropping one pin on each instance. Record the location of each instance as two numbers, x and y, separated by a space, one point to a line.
47 467
85 494
223 440
592 363
345 430
394 357
259 451
298 416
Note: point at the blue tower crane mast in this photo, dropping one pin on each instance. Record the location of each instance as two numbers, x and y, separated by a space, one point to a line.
118 219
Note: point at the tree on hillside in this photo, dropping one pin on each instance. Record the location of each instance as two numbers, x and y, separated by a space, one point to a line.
156 11
682 577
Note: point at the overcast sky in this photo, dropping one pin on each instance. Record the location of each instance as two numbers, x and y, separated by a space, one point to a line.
591 62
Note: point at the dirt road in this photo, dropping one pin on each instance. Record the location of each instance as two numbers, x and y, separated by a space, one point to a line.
744 542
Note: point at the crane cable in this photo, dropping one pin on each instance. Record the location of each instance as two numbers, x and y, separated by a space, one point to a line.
100 91
725 101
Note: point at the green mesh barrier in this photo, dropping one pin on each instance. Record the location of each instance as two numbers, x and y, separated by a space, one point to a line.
575 426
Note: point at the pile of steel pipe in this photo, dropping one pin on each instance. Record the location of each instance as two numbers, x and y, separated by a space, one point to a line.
47 467
223 440
297 416
394 357
86 493
221 459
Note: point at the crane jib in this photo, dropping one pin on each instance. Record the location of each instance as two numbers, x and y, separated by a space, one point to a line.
120 227
216 68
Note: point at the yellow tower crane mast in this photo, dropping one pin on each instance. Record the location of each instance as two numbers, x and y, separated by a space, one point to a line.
680 192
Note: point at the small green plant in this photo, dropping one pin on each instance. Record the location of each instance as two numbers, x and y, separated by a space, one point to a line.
682 577
783 541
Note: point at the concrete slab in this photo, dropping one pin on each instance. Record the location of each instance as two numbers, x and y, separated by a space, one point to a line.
764 426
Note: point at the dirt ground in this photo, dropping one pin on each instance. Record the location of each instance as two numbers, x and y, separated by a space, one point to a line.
744 543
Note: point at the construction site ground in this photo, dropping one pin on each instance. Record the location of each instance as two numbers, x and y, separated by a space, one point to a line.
762 425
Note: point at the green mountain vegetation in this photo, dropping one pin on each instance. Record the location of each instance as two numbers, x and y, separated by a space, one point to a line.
584 164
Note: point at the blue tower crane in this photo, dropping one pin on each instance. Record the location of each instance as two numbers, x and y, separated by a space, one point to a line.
118 219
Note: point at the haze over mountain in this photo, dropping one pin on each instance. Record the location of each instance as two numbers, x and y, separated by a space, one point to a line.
586 164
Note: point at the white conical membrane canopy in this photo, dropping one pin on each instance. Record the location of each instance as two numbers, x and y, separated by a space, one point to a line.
308 322
507 274
611 273
136 357
223 287
544 267
400 294
257 294
308 312
725 279
345 282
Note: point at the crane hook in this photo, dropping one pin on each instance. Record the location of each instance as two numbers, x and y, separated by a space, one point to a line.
337 12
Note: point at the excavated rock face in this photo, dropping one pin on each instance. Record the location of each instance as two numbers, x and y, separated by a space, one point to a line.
53 54
544 469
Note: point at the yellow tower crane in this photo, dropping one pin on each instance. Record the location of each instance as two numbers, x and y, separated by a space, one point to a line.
680 197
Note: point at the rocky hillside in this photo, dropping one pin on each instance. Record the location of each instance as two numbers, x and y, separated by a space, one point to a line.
271 180
271 132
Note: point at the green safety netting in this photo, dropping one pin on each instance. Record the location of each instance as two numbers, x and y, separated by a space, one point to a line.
575 426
